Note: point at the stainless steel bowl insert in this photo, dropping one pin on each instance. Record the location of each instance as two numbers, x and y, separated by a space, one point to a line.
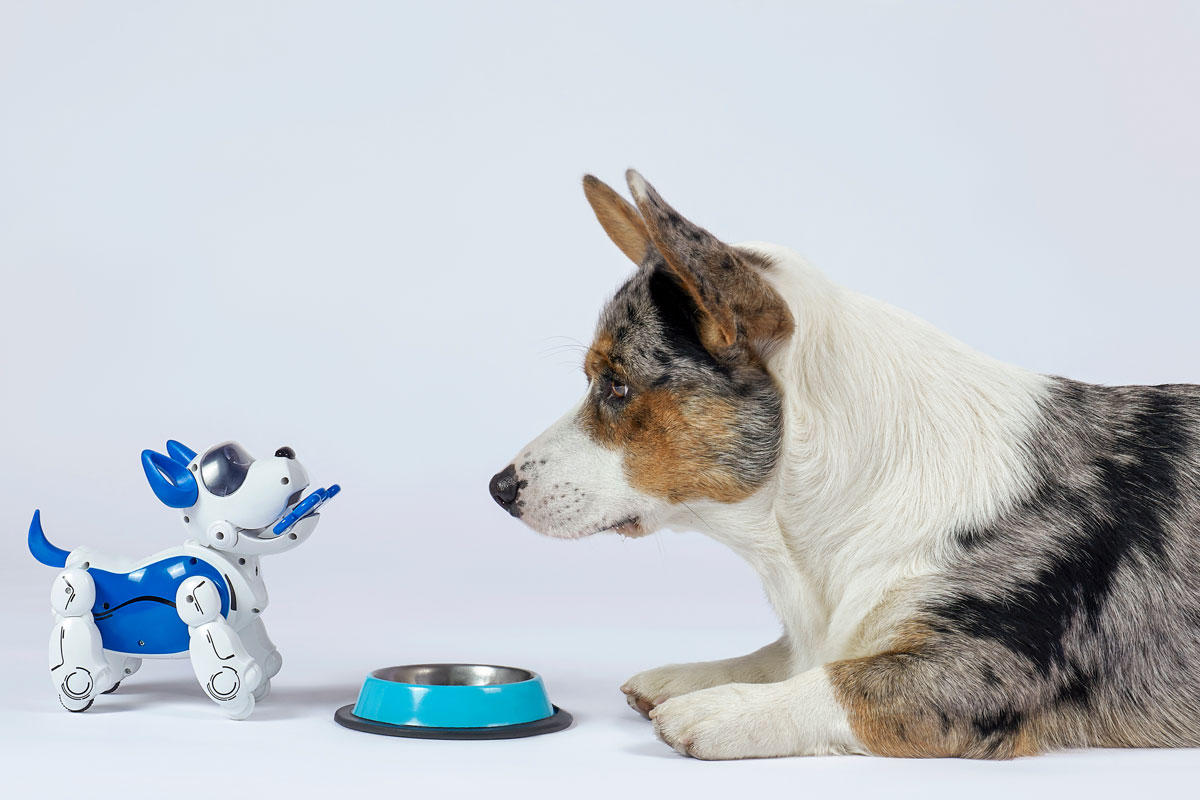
453 675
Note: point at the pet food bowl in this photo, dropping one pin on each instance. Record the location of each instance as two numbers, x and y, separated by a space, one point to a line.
453 701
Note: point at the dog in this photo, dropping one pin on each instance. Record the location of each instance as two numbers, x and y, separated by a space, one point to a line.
968 559
203 599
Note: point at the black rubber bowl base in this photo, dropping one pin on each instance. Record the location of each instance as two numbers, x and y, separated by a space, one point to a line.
557 721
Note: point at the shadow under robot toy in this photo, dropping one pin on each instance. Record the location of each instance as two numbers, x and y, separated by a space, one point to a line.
202 599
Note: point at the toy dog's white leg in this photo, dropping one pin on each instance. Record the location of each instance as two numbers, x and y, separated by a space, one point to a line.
78 665
262 649
122 667
219 658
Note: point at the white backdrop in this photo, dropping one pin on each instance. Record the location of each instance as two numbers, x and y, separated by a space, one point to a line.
357 229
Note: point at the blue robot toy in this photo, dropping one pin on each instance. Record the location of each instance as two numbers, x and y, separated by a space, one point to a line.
201 600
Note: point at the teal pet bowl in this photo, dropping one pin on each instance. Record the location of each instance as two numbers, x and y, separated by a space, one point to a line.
453 701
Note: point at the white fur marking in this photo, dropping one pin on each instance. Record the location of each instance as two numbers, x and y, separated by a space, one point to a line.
796 717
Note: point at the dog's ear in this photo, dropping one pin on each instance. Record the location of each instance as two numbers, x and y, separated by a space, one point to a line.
735 302
619 219
171 481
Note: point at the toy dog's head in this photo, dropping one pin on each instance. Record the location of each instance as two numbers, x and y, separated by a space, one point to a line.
226 498
680 407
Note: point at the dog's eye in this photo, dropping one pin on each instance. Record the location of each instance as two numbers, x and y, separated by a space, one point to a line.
617 391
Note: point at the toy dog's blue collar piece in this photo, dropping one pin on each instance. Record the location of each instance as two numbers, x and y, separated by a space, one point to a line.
304 508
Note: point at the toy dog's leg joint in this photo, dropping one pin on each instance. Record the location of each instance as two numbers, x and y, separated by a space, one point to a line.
223 666
79 667
122 667
73 593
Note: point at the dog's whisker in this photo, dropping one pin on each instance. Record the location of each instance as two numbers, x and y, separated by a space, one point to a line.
562 349
695 513
574 343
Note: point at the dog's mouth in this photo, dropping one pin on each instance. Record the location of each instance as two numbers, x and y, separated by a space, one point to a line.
630 527
263 532
266 532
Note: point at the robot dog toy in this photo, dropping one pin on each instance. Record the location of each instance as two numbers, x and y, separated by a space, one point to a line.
202 599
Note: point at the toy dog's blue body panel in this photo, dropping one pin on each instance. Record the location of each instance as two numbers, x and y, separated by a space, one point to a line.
135 611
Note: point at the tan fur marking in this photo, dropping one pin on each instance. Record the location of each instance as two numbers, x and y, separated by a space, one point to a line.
619 219
742 307
597 361
671 444
897 705
763 316
891 711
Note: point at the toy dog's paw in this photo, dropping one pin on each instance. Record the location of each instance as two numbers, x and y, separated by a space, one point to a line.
241 708
271 664
234 691
75 706
651 688
725 722
77 689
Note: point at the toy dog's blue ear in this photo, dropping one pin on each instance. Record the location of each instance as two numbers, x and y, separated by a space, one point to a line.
170 480
179 452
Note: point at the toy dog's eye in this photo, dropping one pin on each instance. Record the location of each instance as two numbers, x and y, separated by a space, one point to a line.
617 391
223 468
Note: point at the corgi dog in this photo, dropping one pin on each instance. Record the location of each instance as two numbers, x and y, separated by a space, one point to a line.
968 559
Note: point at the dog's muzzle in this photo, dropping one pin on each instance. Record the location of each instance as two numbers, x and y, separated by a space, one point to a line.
505 488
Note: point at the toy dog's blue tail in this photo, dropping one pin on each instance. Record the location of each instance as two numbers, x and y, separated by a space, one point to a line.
40 546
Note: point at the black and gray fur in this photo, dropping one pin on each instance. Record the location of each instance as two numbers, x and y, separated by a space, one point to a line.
1074 619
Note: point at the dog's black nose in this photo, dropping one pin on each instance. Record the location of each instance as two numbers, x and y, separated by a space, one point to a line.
285 452
504 489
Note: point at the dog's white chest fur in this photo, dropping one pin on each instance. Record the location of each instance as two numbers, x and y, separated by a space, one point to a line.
856 512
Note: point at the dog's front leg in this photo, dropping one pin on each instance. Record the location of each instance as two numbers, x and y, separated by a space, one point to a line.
795 717
653 687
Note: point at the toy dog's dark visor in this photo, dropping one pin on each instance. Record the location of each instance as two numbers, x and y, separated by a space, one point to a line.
223 468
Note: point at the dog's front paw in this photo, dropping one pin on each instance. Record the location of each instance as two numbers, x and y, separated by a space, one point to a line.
653 687
721 723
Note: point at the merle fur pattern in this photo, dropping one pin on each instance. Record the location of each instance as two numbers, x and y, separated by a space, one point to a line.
653 324
1075 616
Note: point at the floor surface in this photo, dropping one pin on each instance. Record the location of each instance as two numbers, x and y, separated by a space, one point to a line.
158 731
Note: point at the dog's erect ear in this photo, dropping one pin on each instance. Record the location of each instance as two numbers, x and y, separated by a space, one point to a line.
180 452
735 302
619 219
171 481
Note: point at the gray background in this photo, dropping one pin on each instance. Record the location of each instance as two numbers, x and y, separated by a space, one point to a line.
357 229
